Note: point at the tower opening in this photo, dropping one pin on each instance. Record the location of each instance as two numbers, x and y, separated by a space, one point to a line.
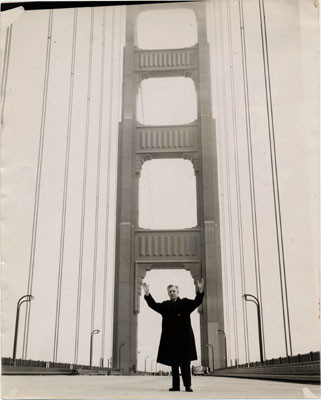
166 29
166 101
167 195
150 322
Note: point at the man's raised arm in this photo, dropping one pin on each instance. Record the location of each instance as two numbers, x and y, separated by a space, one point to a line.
150 301
199 295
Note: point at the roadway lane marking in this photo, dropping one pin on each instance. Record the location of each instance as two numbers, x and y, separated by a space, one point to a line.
308 394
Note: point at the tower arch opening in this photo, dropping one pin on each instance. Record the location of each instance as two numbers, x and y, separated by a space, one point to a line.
166 29
167 195
149 322
166 101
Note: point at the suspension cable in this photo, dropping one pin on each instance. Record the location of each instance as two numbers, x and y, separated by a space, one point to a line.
275 183
122 19
4 77
237 176
37 189
228 183
221 186
110 115
102 83
83 210
65 190
250 166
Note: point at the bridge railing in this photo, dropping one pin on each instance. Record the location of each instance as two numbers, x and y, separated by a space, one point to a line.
298 358
298 368
21 365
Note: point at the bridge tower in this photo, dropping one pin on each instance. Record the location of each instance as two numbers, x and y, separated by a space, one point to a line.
139 250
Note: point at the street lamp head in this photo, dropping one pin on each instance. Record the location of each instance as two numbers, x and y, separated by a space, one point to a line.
31 297
94 332
24 299
251 297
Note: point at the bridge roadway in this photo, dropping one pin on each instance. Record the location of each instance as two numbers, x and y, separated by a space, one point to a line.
149 387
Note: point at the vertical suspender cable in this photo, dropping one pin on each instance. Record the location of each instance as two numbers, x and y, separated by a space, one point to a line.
4 80
221 185
65 190
37 189
228 183
102 83
122 19
83 209
122 32
237 177
275 183
110 115
4 77
3 91
250 166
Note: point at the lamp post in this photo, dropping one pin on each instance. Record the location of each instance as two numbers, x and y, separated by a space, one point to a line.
137 364
221 332
119 353
145 362
257 303
23 299
94 332
212 347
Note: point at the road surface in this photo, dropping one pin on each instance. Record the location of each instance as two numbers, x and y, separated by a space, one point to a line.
149 387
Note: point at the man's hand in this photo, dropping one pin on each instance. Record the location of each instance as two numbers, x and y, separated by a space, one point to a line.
200 285
146 288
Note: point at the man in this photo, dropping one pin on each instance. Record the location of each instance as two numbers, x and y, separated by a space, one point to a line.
177 343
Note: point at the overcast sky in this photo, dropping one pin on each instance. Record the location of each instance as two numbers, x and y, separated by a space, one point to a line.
167 187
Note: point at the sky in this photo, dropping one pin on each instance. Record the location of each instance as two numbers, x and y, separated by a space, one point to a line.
167 187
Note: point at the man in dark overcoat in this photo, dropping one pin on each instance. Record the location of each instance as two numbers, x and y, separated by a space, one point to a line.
177 344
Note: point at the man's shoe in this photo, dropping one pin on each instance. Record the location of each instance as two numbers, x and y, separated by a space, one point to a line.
188 389
174 389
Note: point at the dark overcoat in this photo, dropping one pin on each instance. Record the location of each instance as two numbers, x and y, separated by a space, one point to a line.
177 343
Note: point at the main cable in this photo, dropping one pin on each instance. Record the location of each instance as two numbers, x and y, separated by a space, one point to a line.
83 208
110 115
122 19
228 183
4 77
237 177
65 190
221 186
37 188
250 166
98 169
275 182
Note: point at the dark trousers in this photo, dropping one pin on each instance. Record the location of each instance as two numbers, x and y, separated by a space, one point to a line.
186 374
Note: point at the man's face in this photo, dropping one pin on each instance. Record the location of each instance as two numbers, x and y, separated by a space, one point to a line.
172 293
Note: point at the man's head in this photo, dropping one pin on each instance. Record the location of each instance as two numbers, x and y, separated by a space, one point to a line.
172 291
